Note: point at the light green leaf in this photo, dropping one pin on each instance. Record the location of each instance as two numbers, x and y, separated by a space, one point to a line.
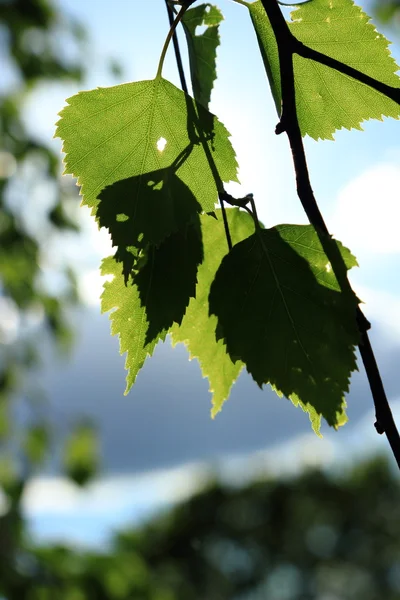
280 311
131 131
202 48
198 327
129 319
326 99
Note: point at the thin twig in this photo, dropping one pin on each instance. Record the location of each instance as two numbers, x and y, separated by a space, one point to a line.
226 224
210 159
306 52
177 50
287 46
170 34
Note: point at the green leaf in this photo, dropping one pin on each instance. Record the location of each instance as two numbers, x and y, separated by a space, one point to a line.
117 134
202 48
281 312
129 319
198 327
167 280
81 454
268 48
326 99
36 443
168 206
5 420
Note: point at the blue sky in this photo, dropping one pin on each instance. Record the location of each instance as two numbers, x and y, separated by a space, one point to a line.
165 420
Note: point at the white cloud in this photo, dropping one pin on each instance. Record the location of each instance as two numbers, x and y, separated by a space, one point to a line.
59 496
382 308
367 214
90 286
50 494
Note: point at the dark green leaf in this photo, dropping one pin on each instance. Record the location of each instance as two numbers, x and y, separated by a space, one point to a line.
281 312
202 48
136 218
168 279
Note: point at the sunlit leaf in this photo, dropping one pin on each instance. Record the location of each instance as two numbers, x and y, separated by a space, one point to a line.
198 327
145 135
326 99
128 319
202 48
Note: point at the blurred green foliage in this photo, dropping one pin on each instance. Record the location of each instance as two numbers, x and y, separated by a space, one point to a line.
81 453
39 44
388 11
310 537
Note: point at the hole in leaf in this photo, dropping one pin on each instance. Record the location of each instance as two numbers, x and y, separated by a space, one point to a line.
200 29
122 217
161 143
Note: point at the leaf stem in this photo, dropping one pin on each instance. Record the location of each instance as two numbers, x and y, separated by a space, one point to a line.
177 50
214 170
242 2
287 46
171 32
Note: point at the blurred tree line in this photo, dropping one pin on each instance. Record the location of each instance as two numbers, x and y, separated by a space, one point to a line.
388 12
312 537
39 44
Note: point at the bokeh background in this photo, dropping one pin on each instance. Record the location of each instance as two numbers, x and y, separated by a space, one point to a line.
251 504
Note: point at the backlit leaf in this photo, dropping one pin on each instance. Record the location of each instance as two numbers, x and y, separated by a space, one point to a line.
198 326
168 206
281 312
326 99
167 280
144 135
202 48
128 319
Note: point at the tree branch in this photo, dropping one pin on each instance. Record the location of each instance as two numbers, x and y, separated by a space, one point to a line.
287 46
306 52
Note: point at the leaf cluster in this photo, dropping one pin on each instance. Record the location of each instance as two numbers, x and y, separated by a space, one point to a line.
152 163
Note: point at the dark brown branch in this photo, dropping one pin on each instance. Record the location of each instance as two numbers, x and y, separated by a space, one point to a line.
306 52
287 46
301 49
177 50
